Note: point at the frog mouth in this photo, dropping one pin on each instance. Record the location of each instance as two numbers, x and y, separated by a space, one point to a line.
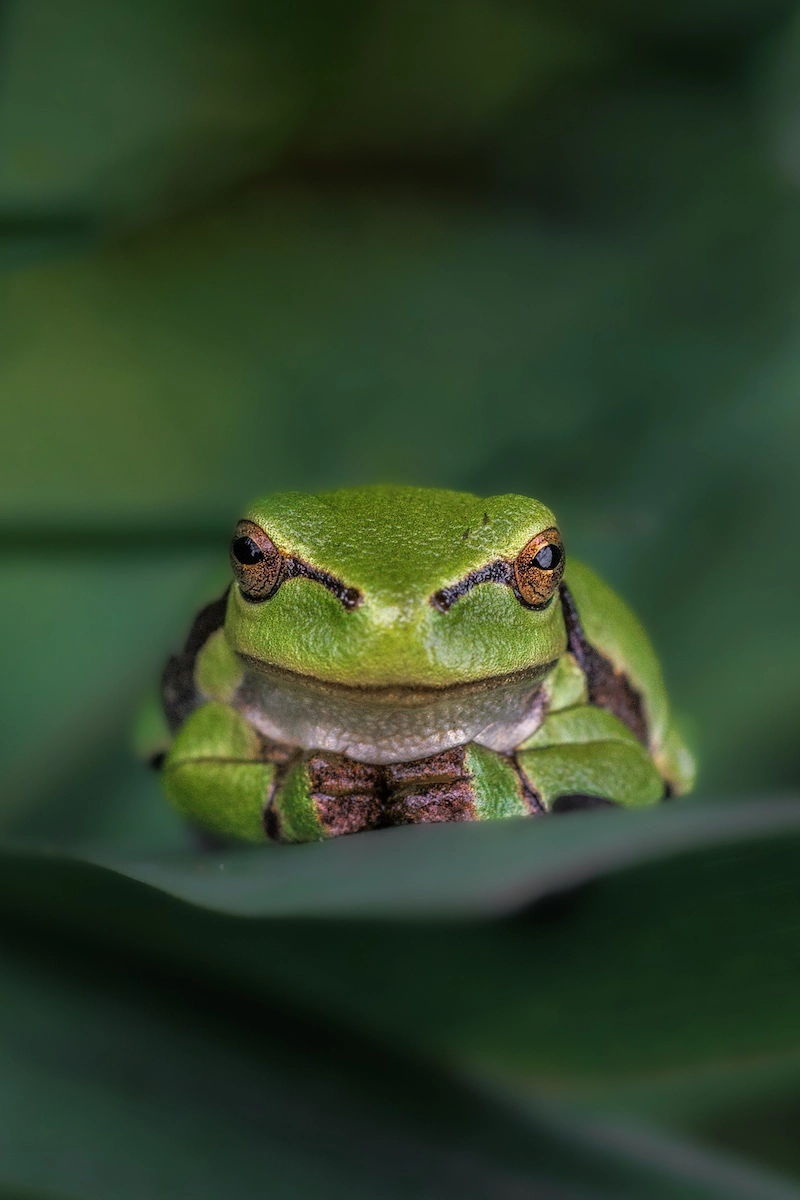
391 723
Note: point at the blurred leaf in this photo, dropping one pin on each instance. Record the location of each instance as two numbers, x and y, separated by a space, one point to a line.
124 112
780 99
685 21
116 1084
749 1106
690 1099
440 77
129 113
671 964
27 238
81 640
663 1152
641 147
763 1127
459 869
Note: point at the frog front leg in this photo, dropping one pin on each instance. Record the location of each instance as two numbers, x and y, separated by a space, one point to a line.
584 754
217 773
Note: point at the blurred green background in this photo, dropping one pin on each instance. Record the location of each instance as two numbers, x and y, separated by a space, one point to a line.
498 245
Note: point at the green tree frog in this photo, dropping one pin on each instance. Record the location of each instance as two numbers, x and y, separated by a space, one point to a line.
394 655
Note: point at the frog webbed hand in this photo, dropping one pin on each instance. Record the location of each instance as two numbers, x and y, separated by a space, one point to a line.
585 757
220 772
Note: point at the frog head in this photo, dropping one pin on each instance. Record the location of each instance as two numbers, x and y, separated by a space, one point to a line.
397 587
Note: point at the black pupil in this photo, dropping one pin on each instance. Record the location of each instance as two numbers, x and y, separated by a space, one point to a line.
548 557
247 552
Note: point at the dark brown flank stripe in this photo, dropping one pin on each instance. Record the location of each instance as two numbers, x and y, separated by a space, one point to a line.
608 688
178 690
494 572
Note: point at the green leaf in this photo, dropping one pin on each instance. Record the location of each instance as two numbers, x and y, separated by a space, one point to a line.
762 1126
191 98
436 83
458 869
81 642
686 21
115 1083
124 113
660 963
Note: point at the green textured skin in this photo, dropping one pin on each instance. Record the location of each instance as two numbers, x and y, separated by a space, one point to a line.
623 773
214 775
218 671
588 750
566 685
399 546
497 785
298 816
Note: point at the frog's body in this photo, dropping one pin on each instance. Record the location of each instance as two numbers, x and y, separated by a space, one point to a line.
390 655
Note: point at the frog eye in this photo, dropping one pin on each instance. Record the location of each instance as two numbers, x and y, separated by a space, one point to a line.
538 568
256 561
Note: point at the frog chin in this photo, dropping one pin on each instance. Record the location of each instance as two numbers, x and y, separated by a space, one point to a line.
391 724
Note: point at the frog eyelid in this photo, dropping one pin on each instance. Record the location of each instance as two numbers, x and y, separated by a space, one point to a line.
296 568
533 586
500 571
292 567
494 572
